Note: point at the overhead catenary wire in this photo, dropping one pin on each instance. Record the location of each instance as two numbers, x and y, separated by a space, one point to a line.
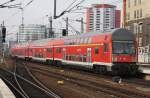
14 14
18 6
70 5
76 5
68 10
28 3
3 5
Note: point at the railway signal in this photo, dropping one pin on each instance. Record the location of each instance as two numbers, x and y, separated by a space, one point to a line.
3 34
64 32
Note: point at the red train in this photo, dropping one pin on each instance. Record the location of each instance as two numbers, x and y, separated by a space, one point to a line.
113 51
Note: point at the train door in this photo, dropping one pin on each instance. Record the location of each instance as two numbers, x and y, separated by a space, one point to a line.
64 53
89 55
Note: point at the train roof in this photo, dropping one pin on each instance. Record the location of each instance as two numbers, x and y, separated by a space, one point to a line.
21 45
117 34
123 35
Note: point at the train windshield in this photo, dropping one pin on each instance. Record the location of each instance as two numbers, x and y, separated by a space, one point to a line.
123 48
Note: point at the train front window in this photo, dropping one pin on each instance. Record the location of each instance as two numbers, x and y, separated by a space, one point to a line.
123 48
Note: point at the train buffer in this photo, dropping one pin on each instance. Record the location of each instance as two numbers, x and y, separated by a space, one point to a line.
5 92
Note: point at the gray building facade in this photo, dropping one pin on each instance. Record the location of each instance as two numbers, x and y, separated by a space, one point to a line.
31 32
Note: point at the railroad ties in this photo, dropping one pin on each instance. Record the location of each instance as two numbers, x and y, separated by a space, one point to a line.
38 80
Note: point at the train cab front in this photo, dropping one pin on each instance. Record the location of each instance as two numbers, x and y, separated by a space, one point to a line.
124 56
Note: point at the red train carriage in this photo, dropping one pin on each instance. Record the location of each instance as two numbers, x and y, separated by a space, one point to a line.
113 51
20 50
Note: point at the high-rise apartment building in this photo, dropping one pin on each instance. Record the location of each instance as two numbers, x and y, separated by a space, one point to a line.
102 17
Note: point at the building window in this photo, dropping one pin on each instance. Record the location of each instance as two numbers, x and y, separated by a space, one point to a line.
140 1
135 2
135 14
140 41
141 13
128 16
135 28
140 28
129 3
138 14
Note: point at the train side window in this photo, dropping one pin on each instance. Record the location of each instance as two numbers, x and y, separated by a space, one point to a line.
89 40
66 57
84 58
96 50
70 57
105 47
73 57
80 58
49 50
78 41
86 40
75 41
81 41
58 50
71 41
30 50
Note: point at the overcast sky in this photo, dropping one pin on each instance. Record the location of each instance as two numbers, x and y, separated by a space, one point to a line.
37 11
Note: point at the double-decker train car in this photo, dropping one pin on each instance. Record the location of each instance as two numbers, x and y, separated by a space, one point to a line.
113 51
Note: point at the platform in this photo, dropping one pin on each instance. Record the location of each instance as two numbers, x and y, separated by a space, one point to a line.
144 70
5 92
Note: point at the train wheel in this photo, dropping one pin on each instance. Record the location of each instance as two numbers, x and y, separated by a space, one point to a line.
59 63
49 62
100 69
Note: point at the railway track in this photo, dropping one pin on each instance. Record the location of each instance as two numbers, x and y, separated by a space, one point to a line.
135 81
14 88
141 82
17 82
114 91
23 85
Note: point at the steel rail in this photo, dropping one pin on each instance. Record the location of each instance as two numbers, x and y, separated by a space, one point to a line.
70 78
83 83
15 69
41 83
13 86
33 84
